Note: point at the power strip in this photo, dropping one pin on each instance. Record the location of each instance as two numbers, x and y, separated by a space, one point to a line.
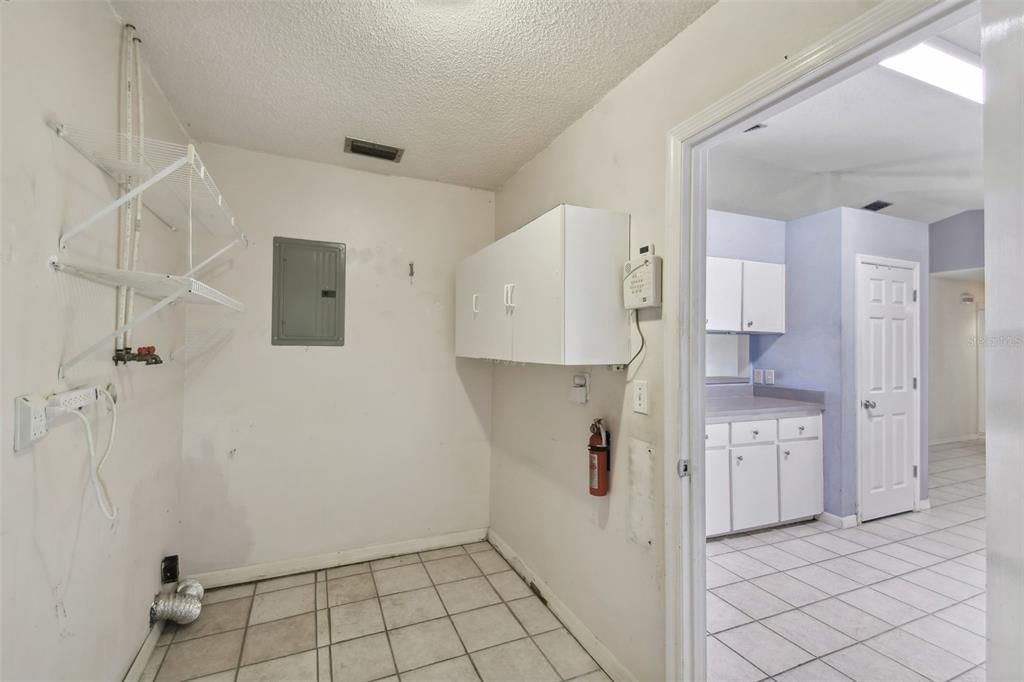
74 399
33 414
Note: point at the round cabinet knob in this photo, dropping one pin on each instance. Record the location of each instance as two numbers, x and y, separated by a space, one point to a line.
705 436
739 458
750 323
755 432
800 429
786 453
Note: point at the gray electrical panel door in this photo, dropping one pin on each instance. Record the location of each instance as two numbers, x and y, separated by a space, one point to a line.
309 293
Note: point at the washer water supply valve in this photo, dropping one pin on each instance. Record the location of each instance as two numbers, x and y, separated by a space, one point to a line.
182 606
145 354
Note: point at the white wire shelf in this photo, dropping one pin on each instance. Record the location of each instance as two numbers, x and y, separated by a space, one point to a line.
153 285
178 188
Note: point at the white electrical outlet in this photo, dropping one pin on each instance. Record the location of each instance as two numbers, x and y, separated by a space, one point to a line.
640 397
758 376
769 377
74 399
29 420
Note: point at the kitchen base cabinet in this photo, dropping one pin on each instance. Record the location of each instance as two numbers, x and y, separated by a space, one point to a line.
801 486
717 514
755 493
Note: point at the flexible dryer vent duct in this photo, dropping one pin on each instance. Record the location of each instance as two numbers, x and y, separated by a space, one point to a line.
181 607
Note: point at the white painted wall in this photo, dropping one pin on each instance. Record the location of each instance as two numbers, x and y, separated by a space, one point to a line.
76 589
292 452
953 359
615 157
1002 54
727 355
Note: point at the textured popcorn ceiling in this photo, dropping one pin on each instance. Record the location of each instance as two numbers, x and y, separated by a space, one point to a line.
471 88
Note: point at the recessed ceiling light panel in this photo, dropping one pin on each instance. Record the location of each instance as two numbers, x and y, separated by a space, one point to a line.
939 68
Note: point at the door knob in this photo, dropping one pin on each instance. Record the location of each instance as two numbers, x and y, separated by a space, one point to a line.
868 404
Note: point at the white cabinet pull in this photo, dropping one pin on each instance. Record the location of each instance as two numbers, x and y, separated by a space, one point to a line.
511 295
476 301
801 428
786 453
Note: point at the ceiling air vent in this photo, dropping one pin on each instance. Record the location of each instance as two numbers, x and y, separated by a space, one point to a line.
373 149
877 205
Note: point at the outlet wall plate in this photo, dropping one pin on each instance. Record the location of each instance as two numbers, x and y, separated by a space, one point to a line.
641 397
29 420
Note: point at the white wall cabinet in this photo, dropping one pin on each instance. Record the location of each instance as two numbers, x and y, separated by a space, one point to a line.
548 293
745 296
759 473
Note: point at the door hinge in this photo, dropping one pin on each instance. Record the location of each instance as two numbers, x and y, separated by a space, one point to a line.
915 295
915 471
915 383
683 468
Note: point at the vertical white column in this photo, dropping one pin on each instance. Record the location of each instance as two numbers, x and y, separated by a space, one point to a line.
1002 58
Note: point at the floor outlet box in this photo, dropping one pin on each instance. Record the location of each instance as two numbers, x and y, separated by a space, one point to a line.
29 420
640 397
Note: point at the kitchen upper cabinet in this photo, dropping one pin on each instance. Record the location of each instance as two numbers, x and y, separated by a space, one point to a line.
724 294
764 297
745 296
548 293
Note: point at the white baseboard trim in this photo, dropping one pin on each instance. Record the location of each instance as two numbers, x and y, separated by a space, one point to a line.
138 666
923 505
276 569
838 521
604 657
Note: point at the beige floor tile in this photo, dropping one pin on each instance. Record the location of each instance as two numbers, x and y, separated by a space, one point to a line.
596 676
823 579
402 578
424 643
356 619
864 663
478 547
725 665
167 634
962 572
323 628
321 595
752 600
946 635
487 627
833 543
346 571
408 608
227 594
943 584
455 670
919 655
565 653
721 615
361 660
225 676
153 664
451 569
966 617
534 616
815 671
882 606
279 638
282 604
807 633
443 553
464 595
203 656
509 585
742 565
717 576
764 648
350 588
883 562
774 557
490 562
975 675
295 668
909 554
395 562
285 582
789 589
855 570
518 660
805 550
847 619
746 541
915 595
214 618
323 664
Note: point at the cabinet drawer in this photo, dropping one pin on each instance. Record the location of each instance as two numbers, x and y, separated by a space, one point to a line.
800 427
716 435
753 432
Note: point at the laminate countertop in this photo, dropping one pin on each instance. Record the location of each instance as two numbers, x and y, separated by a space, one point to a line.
727 403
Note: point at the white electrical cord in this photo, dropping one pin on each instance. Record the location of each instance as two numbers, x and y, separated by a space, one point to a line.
98 485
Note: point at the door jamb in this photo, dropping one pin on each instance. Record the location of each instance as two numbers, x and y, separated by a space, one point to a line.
885 29
915 267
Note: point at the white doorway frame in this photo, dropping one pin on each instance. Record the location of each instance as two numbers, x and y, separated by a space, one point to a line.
979 363
886 29
915 267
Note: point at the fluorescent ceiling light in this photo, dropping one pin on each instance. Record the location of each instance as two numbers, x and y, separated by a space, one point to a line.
941 69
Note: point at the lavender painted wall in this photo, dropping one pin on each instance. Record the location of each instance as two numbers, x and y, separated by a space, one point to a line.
958 242
745 237
817 349
807 356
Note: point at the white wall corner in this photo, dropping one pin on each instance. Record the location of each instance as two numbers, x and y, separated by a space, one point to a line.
276 569
138 666
600 653
838 521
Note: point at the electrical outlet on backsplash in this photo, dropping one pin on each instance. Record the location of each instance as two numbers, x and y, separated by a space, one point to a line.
769 377
758 376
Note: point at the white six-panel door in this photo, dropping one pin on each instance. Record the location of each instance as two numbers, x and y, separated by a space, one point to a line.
887 400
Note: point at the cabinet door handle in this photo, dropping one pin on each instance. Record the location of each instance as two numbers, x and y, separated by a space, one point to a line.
739 458
755 432
786 453
706 436
476 301
506 297
511 295
800 429
750 323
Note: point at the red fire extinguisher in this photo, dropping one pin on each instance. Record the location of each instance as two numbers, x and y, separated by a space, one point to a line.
599 453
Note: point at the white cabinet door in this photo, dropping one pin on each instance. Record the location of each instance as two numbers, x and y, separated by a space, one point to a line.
494 319
468 324
724 294
801 487
755 486
535 254
764 297
716 492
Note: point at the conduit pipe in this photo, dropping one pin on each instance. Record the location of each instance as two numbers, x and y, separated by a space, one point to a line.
136 229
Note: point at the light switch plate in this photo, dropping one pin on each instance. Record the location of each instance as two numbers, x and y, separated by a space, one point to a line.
640 397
